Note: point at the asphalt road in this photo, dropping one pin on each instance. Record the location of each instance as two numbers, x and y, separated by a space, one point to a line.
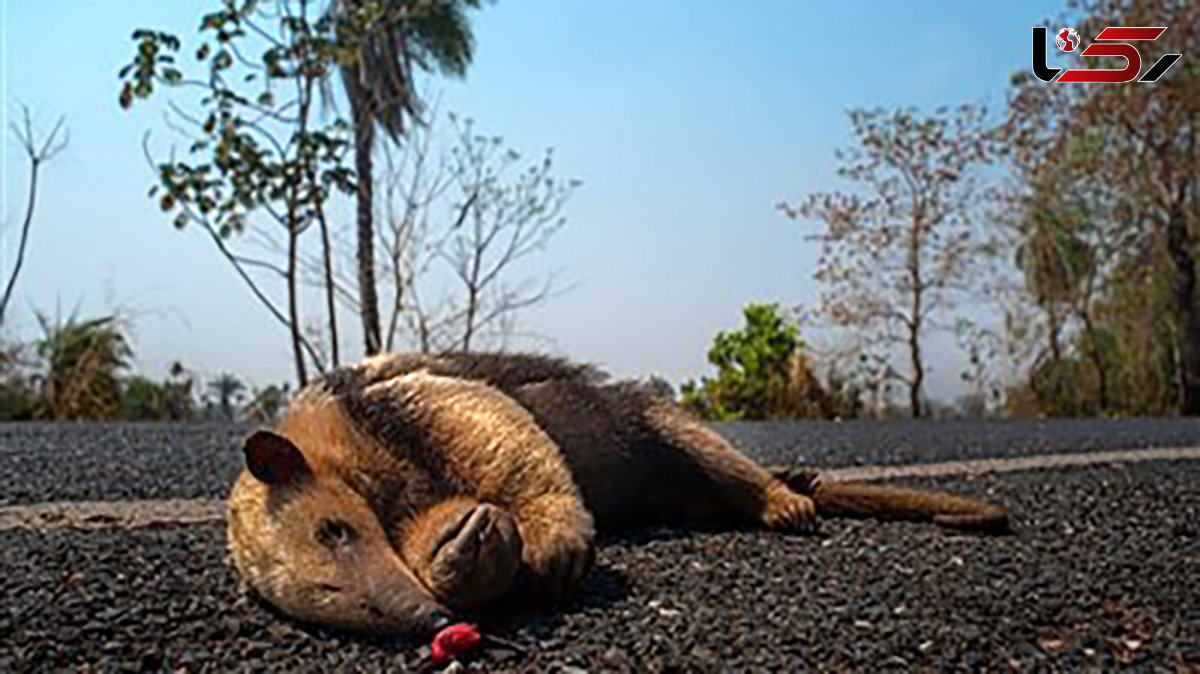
1103 569
108 462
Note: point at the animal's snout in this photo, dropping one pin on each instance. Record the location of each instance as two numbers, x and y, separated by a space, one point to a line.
406 617
390 599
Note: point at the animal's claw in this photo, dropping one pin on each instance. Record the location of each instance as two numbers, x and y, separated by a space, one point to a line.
801 479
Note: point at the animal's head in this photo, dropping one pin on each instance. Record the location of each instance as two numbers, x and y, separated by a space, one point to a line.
313 547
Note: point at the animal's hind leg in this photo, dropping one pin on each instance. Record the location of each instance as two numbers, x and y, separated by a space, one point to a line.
734 486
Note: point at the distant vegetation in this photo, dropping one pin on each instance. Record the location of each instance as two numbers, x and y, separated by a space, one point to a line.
79 370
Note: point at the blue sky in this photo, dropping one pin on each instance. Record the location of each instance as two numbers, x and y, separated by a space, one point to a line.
686 121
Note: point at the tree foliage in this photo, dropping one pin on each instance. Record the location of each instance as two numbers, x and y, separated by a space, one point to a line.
266 404
143 399
227 392
18 392
261 162
262 165
1106 189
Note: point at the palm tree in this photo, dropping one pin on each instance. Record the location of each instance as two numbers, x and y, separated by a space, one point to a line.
391 39
1060 267
83 361
227 389
1055 262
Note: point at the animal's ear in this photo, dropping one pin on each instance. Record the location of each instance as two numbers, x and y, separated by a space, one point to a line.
274 460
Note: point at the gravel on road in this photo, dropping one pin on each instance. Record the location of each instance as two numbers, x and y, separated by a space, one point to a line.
1101 572
41 463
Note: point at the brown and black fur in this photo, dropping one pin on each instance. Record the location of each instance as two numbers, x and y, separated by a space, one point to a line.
462 476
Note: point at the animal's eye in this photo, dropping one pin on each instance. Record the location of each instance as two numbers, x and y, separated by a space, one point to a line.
333 533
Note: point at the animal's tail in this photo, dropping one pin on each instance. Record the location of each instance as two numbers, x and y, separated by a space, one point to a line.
859 500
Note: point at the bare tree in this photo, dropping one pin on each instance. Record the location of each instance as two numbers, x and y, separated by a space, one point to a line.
897 255
38 153
416 183
504 222
459 222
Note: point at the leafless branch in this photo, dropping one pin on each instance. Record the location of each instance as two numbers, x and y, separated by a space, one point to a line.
37 155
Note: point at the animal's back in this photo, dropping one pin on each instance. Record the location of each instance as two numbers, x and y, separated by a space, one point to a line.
624 444
638 459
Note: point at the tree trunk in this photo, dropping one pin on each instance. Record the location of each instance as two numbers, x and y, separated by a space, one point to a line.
293 305
330 304
1054 328
469 328
368 299
914 326
918 375
1183 296
1097 359
473 289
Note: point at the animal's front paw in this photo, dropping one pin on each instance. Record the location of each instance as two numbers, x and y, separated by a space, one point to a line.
786 510
476 557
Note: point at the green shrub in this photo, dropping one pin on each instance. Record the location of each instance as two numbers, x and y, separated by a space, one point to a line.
763 372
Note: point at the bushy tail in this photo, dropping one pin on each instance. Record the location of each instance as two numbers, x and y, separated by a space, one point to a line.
859 500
